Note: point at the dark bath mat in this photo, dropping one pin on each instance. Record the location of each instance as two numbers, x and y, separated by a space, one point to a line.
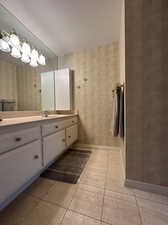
68 167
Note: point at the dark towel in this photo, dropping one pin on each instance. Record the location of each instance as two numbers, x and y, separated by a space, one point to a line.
121 119
116 112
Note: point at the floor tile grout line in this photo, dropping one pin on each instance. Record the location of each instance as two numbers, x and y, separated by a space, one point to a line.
139 212
40 198
69 209
72 198
104 191
63 217
88 215
85 215
154 201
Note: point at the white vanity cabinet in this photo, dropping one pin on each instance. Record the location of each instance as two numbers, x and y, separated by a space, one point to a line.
47 91
13 140
26 151
71 134
63 89
57 90
53 146
17 167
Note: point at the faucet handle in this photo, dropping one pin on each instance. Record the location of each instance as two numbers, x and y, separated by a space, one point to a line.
45 113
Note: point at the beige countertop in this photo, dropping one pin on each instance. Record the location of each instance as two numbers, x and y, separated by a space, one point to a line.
30 119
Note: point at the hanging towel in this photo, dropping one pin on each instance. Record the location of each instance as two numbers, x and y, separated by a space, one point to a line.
121 116
116 111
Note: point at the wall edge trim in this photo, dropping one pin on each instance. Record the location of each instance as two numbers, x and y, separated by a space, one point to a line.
158 189
95 147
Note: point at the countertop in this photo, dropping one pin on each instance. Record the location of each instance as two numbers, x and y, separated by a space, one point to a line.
30 119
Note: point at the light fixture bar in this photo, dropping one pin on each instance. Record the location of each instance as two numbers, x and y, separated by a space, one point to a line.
11 43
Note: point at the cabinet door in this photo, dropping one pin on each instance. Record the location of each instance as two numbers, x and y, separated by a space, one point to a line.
17 167
63 89
47 91
71 135
53 145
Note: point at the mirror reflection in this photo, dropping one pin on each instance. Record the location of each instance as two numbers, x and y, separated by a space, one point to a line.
23 57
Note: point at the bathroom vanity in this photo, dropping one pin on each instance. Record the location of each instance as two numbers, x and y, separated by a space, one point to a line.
28 146
28 86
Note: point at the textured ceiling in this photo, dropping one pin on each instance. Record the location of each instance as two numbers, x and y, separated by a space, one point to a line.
67 25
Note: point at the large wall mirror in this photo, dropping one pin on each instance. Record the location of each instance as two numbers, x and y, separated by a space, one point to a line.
20 83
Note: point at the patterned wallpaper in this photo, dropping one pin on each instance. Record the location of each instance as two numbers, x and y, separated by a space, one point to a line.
29 96
147 91
29 85
96 74
23 83
8 84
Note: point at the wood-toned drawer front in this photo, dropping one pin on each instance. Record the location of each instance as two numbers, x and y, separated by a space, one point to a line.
56 126
12 140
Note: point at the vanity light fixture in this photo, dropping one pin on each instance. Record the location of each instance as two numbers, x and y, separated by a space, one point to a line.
4 46
15 52
34 58
26 52
26 49
41 60
15 44
25 58
20 49
14 40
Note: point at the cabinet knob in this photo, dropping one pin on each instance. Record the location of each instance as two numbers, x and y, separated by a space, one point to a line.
18 139
73 121
36 157
63 140
69 136
56 126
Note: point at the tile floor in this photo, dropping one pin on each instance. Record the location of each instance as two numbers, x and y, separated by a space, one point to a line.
99 198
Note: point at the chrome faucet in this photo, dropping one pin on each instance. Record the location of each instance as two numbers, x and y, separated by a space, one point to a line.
44 113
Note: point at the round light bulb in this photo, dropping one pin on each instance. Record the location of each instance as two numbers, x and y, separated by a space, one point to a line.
25 58
14 40
4 46
33 63
15 52
34 55
26 49
41 60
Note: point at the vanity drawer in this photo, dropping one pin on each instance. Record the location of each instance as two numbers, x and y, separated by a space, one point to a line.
12 140
71 121
56 126
52 127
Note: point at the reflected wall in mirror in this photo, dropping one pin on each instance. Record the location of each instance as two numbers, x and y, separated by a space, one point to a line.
20 83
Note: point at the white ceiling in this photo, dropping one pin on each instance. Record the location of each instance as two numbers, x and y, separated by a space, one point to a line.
67 25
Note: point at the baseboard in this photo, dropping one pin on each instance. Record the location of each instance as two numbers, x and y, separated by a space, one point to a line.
95 147
158 189
123 162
